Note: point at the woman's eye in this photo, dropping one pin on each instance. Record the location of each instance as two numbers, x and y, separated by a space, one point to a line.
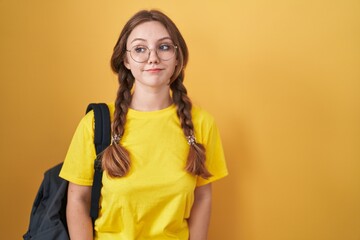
140 49
164 47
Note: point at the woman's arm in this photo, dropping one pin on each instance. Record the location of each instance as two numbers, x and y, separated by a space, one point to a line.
78 212
200 213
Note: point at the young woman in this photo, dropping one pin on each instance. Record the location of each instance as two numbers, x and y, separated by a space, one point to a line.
164 153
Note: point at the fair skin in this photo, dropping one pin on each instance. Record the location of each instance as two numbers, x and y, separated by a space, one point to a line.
200 213
78 212
151 92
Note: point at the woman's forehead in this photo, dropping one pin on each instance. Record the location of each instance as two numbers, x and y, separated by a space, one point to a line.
152 31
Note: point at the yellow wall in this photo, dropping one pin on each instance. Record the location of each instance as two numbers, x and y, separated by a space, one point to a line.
282 79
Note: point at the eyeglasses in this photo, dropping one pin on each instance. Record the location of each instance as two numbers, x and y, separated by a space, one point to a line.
141 53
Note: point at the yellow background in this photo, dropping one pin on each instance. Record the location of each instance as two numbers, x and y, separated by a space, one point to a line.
282 79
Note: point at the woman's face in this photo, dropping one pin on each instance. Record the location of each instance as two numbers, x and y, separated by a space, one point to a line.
156 70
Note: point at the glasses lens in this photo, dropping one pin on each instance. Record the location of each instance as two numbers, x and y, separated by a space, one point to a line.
165 51
142 53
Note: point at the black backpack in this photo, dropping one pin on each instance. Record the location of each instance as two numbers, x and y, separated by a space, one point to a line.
48 214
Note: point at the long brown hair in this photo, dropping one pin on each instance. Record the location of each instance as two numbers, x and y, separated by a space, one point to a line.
115 158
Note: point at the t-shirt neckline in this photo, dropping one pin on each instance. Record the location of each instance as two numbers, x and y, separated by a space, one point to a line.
148 114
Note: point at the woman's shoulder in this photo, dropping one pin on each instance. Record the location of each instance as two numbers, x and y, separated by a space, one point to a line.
88 119
200 115
111 106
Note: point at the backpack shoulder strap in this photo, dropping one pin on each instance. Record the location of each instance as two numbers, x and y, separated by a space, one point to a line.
102 125
101 140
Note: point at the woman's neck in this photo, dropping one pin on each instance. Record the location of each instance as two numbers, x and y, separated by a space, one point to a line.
144 100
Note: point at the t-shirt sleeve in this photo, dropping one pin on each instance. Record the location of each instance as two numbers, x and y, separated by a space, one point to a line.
215 159
78 166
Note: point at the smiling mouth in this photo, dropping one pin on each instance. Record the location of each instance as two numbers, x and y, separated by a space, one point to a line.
153 70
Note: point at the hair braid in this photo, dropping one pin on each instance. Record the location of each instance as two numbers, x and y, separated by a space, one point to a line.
115 159
196 159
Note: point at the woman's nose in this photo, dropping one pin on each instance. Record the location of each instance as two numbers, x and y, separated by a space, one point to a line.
153 57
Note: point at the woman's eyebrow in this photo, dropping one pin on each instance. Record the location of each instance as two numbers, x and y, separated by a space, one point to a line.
144 40
138 39
164 38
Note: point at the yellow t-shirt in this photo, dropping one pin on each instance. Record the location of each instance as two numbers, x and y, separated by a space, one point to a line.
154 200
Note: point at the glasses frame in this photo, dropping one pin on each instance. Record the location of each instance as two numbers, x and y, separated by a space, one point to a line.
175 47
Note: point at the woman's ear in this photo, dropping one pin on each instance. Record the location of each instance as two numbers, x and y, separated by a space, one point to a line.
126 63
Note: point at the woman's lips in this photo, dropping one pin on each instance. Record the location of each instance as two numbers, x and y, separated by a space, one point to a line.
153 70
